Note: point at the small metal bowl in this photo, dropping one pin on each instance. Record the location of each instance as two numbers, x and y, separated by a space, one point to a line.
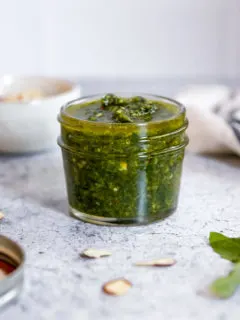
11 285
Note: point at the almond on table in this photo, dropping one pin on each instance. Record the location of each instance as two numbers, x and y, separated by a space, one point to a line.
95 253
117 287
164 262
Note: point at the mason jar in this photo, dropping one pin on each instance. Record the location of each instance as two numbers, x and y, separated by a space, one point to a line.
122 173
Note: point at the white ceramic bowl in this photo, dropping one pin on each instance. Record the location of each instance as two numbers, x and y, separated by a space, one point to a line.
31 126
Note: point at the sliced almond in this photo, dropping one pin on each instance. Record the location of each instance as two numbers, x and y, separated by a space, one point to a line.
1 215
164 262
95 253
117 287
2 274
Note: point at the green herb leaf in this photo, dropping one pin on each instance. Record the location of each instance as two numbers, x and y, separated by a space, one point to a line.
227 248
225 287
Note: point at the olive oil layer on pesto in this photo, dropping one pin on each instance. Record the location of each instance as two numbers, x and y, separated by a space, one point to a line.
127 174
122 110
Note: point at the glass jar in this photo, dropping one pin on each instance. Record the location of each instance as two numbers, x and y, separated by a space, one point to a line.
122 173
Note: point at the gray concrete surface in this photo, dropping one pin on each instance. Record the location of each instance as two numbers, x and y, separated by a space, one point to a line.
61 285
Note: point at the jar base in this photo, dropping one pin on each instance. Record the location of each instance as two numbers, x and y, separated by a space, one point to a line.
117 221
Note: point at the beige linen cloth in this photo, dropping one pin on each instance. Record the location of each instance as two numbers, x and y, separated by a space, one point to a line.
214 118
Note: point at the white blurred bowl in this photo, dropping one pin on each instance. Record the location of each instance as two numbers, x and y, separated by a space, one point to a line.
31 126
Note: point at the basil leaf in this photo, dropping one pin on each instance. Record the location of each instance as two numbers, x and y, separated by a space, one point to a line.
227 248
225 287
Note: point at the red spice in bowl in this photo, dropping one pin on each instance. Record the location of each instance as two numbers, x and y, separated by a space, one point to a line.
5 268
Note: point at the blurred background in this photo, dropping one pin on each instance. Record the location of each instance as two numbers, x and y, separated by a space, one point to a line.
121 38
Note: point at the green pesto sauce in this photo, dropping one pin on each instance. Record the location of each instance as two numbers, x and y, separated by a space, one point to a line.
113 109
128 173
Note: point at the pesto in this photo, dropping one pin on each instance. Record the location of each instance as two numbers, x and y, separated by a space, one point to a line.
126 109
123 167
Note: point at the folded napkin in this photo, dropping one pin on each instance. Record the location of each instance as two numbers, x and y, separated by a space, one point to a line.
214 118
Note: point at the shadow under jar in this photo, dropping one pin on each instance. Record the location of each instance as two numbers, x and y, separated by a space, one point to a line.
122 169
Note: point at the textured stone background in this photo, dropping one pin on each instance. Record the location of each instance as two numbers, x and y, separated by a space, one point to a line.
60 285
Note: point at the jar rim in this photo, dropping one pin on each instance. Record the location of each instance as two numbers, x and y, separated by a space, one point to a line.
66 118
